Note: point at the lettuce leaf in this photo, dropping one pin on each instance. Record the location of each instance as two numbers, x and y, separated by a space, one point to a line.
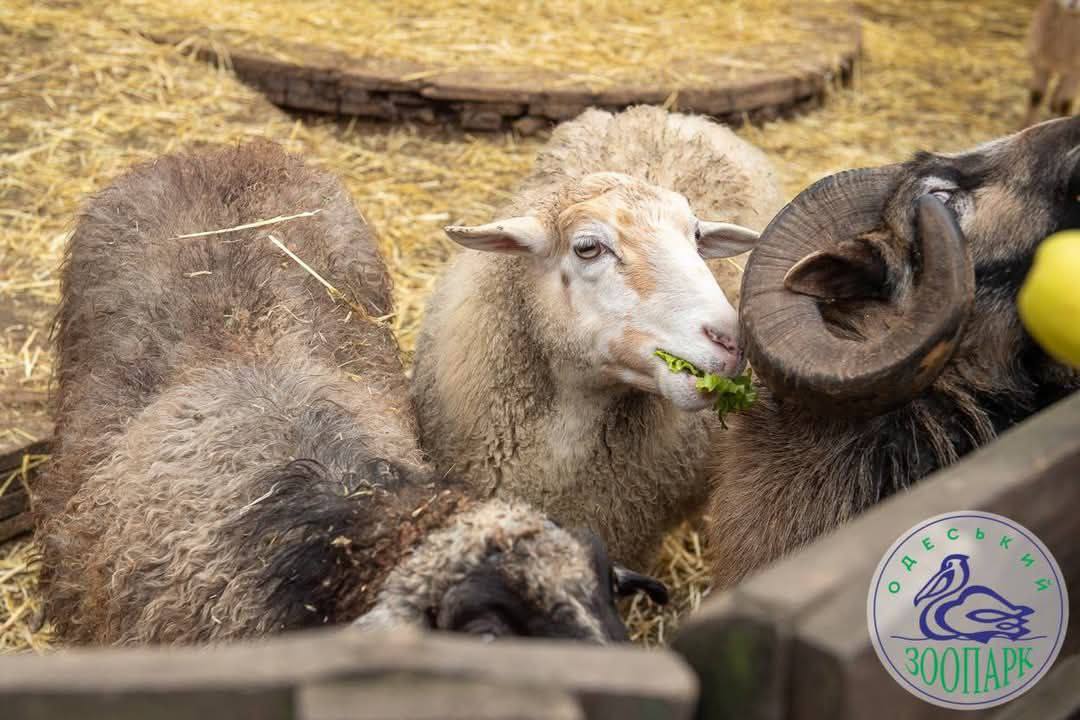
731 394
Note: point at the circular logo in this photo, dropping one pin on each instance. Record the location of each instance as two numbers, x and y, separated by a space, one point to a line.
967 610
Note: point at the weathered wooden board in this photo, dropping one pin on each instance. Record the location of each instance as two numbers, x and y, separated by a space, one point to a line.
14 501
1056 697
792 641
490 99
348 674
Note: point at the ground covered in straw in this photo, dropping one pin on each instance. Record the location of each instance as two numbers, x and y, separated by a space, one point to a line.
595 43
82 96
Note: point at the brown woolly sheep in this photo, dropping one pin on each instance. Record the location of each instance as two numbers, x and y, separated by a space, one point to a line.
236 454
879 309
1054 51
535 374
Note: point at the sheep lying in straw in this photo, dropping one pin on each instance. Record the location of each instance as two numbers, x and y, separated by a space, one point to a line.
1054 50
880 311
535 374
236 454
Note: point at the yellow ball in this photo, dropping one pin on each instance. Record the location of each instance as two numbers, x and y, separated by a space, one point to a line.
1049 301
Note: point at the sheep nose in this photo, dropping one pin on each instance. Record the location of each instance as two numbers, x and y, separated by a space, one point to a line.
724 340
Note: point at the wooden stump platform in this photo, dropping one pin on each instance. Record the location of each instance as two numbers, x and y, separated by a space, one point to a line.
330 81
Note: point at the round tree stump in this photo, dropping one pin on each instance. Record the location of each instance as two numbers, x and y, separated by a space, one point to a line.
329 81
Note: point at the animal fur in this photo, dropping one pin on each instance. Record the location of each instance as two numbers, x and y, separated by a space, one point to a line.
498 380
783 475
236 453
1053 46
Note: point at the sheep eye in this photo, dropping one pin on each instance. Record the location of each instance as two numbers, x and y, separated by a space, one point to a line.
589 249
943 195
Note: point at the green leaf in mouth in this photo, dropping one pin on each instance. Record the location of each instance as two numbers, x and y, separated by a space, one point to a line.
729 394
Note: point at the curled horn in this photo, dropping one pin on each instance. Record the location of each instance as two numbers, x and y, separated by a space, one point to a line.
787 339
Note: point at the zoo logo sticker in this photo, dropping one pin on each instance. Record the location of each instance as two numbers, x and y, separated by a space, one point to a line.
967 610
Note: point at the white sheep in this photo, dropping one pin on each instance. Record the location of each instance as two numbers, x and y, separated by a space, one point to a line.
1054 51
535 374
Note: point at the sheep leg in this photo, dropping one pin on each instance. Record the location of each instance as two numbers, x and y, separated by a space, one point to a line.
1040 81
1061 103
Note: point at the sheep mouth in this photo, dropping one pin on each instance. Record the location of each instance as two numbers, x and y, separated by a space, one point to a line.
675 363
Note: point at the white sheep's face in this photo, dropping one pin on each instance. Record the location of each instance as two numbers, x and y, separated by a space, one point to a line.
623 262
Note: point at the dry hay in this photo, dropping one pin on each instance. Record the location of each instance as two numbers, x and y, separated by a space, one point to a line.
595 43
81 99
21 612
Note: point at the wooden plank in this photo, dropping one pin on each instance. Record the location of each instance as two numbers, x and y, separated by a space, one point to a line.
808 610
15 526
12 459
185 704
15 519
12 502
1056 697
606 681
412 698
739 655
332 82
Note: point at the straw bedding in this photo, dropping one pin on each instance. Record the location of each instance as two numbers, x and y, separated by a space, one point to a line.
596 43
82 97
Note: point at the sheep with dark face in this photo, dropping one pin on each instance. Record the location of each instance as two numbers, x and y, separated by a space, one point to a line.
1054 51
236 454
879 310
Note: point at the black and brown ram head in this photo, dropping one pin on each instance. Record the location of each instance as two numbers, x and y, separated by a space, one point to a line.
871 283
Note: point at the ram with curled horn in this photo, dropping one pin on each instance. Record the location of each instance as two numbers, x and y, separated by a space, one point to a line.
878 311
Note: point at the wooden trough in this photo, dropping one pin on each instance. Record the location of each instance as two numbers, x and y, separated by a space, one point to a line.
329 81
789 643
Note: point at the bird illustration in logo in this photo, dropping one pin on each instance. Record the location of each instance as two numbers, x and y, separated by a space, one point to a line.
955 610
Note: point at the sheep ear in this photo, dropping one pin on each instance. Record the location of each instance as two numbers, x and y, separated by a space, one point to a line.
520 235
629 583
851 270
721 240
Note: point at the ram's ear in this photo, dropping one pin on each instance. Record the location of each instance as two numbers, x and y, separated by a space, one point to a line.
520 235
851 270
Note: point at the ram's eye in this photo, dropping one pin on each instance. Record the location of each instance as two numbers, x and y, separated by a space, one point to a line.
588 249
